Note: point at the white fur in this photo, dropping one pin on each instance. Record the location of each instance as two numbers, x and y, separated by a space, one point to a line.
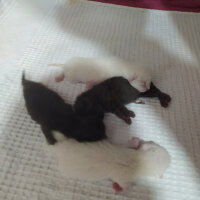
79 69
71 2
102 160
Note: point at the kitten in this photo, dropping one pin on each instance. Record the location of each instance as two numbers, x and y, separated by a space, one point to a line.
102 160
111 95
94 70
50 111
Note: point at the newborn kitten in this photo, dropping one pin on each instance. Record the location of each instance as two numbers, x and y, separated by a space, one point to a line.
94 70
102 160
111 95
50 111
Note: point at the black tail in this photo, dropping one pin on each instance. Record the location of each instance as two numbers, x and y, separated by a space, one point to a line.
23 78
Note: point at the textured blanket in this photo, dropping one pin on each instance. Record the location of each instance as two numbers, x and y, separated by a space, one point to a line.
36 33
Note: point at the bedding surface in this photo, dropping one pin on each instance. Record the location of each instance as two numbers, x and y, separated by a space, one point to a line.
36 33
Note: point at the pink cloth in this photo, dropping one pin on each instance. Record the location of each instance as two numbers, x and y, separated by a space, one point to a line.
176 5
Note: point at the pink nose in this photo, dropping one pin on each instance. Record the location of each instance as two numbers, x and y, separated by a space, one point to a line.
60 78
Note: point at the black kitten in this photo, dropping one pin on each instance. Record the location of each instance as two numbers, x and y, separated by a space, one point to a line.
111 95
49 110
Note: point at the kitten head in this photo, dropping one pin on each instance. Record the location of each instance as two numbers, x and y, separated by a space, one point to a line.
142 79
141 85
156 158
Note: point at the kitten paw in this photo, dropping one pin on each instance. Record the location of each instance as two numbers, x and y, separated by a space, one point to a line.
127 116
116 187
165 100
121 187
131 113
127 119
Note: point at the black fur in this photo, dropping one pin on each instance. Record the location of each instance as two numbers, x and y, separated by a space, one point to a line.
155 92
111 95
49 110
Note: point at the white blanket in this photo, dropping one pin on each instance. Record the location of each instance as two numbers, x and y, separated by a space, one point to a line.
36 33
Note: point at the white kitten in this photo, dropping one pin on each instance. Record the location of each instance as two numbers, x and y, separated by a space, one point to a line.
101 160
94 70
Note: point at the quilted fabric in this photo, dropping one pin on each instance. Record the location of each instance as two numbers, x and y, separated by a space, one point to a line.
36 33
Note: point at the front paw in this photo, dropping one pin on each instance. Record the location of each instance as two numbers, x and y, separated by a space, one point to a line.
127 116
127 119
130 113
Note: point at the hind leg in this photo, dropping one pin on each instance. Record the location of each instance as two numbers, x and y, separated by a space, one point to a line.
155 92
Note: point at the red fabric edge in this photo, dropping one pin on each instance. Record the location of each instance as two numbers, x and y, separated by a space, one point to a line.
174 5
